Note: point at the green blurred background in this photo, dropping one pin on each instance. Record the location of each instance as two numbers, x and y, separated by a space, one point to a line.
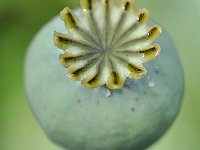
19 22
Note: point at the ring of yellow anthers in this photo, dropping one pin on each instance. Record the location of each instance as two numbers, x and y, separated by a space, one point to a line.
106 43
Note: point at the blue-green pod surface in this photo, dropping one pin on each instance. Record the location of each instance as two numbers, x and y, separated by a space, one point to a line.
79 118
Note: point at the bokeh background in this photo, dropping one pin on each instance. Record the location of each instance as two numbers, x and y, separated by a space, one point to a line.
19 22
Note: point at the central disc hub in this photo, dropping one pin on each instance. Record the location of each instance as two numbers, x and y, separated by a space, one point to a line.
106 43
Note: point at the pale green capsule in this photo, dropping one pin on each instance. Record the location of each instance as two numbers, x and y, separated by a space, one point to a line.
79 118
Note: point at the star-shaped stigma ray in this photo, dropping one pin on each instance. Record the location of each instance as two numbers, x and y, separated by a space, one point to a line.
106 43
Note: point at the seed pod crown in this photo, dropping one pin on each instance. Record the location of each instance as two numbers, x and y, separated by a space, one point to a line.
106 43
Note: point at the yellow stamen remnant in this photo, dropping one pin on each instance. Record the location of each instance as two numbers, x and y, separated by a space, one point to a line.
106 43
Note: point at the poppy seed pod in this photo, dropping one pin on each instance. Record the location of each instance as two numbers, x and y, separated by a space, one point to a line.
124 82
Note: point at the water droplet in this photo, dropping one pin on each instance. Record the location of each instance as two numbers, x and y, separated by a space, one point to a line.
156 70
151 84
106 92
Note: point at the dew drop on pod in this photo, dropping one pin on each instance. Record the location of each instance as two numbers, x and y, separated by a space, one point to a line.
103 77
